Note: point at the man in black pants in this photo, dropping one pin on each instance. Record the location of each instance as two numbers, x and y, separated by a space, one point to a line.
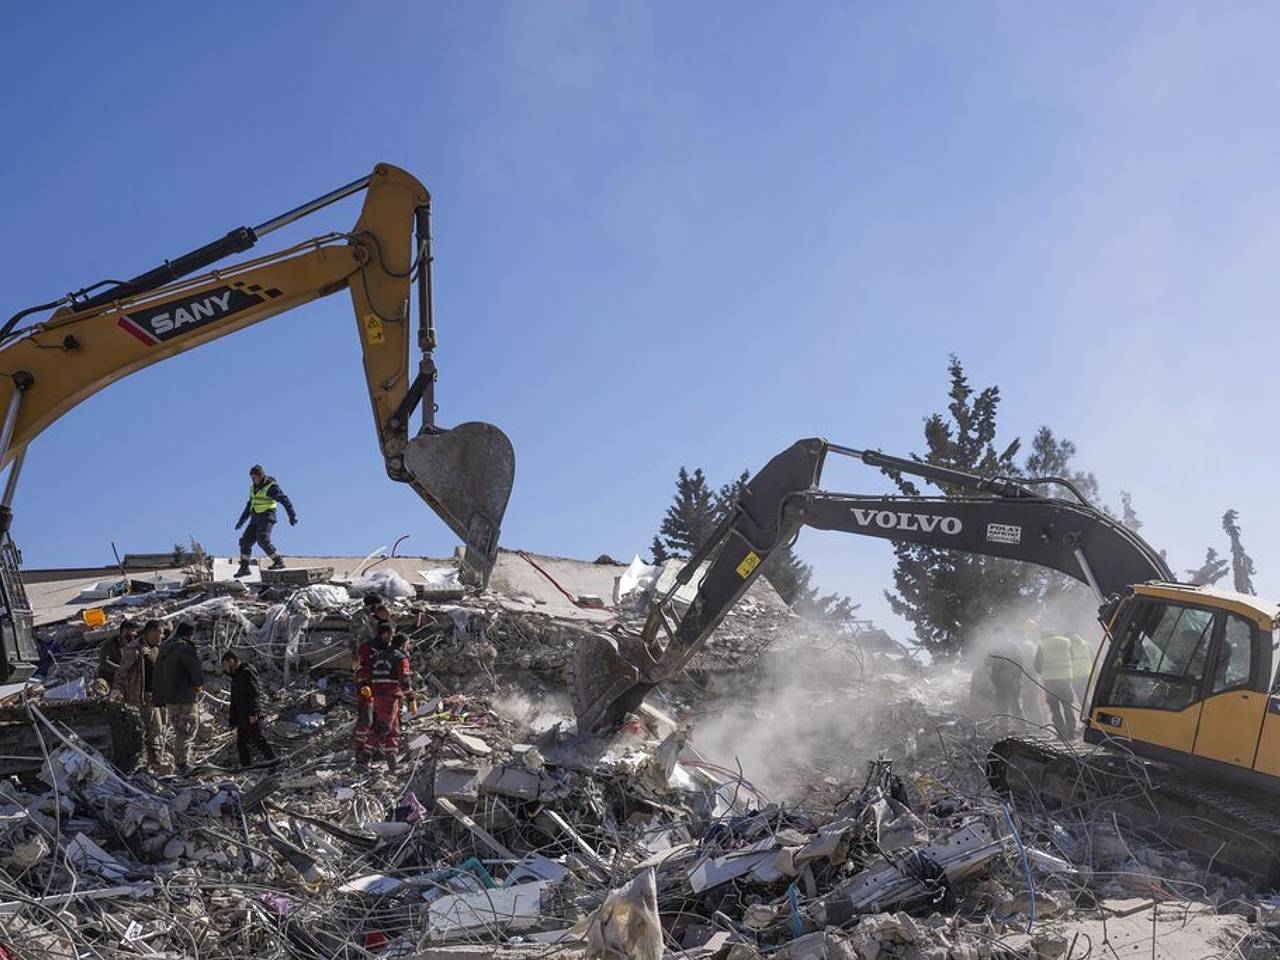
260 512
245 714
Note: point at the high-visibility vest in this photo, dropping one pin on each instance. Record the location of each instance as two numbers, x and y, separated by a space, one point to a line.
1081 658
260 500
1055 658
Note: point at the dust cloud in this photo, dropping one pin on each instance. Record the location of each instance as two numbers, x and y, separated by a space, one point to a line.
818 706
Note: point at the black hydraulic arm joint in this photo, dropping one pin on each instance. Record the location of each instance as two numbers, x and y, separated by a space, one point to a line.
955 478
237 241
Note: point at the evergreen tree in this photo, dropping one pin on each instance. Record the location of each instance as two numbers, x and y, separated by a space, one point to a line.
1051 457
693 516
1129 516
659 551
690 518
727 495
946 594
1242 570
1210 572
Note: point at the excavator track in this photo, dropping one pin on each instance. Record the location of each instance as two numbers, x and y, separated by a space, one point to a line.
113 729
1233 831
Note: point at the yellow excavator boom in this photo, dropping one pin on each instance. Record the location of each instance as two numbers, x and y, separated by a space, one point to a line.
93 339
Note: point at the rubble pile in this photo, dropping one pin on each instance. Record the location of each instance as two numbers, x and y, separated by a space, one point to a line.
503 832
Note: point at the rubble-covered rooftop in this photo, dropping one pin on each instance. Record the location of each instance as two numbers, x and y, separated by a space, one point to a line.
794 796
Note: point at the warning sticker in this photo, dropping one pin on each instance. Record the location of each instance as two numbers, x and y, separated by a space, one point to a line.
372 329
1004 533
749 563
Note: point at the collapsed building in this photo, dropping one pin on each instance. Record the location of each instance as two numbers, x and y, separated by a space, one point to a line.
795 794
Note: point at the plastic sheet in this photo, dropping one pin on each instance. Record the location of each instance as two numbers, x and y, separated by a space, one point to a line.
385 583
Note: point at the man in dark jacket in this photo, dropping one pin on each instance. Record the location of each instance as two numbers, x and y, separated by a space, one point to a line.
260 512
179 681
111 653
246 713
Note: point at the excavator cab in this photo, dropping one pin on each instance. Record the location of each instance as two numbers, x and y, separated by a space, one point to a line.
1189 678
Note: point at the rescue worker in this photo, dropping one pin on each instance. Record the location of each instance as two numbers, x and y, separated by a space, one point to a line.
260 512
1053 663
179 681
1033 708
382 681
133 684
1081 665
365 625
245 714
1004 665
112 650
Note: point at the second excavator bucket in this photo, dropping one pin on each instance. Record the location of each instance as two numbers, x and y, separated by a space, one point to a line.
606 680
465 474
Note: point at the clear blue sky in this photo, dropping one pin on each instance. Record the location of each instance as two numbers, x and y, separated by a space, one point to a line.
666 234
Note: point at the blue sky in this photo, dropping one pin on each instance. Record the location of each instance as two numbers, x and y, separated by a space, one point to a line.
666 234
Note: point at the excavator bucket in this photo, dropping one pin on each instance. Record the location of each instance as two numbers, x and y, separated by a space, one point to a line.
605 681
465 475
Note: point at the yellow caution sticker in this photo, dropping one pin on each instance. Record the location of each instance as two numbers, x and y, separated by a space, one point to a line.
372 329
749 563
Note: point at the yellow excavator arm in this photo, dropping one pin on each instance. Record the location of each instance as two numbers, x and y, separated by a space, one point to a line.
93 339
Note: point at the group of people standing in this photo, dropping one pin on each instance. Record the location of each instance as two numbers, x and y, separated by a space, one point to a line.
1044 671
157 669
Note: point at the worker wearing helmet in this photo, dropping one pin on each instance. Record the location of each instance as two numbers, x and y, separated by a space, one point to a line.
1081 665
1053 663
383 681
260 513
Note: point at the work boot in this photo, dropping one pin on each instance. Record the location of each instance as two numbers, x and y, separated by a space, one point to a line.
392 762
243 569
277 563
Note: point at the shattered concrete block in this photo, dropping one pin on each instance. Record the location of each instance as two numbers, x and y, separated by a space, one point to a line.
459 781
1049 946
86 855
509 909
717 870
517 782
472 745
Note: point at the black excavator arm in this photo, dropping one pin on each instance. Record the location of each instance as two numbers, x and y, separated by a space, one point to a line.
990 516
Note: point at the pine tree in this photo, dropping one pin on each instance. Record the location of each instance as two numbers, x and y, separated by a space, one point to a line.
727 495
659 551
1210 572
1242 569
1051 457
946 594
690 518
1129 516
694 514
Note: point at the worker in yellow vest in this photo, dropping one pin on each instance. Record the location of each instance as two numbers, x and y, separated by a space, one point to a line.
1081 665
260 512
1053 663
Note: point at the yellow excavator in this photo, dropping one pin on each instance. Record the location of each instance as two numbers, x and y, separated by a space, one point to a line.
106 331
1182 728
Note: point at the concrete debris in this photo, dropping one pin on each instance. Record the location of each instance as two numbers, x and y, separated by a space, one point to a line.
815 830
